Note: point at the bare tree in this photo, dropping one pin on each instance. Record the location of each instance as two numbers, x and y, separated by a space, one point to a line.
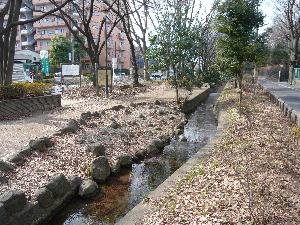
127 27
9 20
289 20
140 24
115 12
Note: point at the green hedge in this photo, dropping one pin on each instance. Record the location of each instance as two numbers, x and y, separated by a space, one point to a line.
22 90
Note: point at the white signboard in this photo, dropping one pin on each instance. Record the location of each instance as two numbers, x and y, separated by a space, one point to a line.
114 63
70 70
44 54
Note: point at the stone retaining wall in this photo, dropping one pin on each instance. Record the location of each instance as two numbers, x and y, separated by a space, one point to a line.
10 109
284 106
15 209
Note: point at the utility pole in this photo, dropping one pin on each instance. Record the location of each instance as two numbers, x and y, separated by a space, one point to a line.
97 79
73 51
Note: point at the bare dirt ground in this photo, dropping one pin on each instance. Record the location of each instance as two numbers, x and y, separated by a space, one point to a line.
16 134
140 120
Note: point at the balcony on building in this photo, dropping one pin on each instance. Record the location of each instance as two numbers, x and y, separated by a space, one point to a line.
24 17
121 48
27 41
27 30
122 36
25 9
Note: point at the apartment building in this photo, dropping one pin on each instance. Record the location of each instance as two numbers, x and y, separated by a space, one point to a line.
51 26
25 37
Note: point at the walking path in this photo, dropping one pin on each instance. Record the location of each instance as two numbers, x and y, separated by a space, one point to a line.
289 95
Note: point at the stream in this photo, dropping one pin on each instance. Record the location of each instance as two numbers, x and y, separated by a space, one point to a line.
122 193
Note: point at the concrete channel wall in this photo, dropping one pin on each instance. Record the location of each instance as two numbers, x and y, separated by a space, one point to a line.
14 108
194 100
135 216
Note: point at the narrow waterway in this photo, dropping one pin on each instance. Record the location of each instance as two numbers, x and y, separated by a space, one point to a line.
122 193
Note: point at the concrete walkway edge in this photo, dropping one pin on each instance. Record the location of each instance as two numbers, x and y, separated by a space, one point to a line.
284 105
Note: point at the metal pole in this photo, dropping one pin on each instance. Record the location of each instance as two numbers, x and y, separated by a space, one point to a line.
96 78
106 74
80 70
72 39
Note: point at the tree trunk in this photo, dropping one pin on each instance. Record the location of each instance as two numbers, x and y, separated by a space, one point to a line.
240 82
176 84
293 59
146 61
235 82
134 63
11 56
8 42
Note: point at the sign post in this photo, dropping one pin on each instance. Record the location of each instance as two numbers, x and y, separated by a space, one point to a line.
70 70
45 62
104 77
114 66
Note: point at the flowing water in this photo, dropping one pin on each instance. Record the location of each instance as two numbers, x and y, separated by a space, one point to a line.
122 193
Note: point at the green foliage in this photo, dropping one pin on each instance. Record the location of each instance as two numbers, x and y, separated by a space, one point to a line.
237 21
22 90
79 51
278 55
60 49
173 46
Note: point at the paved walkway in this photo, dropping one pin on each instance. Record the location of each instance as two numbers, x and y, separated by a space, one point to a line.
290 95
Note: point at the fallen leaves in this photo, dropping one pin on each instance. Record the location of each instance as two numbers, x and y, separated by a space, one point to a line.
252 176
69 156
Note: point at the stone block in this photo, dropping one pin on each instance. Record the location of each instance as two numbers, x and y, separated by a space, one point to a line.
44 197
74 182
125 160
88 189
100 169
13 201
6 167
4 217
38 145
97 149
71 127
18 159
59 186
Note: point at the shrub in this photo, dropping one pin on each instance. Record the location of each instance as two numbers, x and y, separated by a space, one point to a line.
22 90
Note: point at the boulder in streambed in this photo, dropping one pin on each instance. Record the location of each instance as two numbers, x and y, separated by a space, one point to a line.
88 189
100 169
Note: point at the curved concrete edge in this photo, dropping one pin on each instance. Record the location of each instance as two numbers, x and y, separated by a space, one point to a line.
136 215
194 100
284 106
